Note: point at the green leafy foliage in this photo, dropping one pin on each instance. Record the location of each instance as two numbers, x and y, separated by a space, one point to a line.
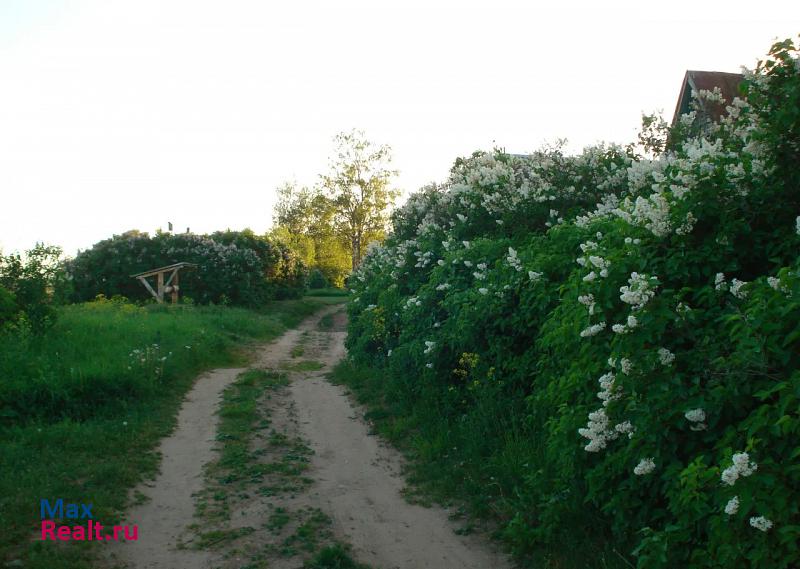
606 347
30 285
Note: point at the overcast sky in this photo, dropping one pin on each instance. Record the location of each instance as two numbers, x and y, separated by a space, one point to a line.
118 115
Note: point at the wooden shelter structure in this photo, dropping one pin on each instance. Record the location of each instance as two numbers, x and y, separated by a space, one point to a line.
164 284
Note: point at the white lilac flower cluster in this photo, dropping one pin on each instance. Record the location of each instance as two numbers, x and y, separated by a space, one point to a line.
732 507
593 330
652 213
665 357
742 466
639 290
598 429
423 259
429 345
776 284
513 260
697 418
761 523
588 301
554 215
597 264
645 466
534 276
737 290
630 323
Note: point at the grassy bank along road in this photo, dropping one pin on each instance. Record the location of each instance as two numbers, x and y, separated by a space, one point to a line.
83 406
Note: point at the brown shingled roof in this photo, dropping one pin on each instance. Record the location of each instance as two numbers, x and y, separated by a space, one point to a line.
693 81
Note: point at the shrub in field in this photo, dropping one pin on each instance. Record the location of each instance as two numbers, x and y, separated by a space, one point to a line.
607 344
29 286
236 267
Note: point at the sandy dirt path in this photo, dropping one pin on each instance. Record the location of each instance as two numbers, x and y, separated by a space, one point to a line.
352 478
169 507
359 481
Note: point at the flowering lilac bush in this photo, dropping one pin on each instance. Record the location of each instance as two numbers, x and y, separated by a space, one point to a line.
236 267
633 332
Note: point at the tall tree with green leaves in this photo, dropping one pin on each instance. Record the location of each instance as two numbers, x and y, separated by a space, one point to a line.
358 186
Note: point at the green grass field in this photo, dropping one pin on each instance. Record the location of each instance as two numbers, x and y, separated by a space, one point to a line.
83 406
328 292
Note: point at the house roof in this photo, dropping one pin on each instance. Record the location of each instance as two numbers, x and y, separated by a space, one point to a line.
694 81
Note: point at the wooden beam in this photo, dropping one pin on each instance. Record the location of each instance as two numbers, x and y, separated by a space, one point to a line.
148 287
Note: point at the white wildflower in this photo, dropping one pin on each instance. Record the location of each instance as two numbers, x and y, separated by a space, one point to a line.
534 276
719 282
483 290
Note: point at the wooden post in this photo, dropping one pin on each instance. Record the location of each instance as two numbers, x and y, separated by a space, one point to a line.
174 280
160 287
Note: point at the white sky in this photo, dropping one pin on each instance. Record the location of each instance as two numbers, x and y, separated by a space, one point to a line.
118 115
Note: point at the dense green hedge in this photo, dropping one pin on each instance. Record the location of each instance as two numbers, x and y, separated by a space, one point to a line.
236 267
606 344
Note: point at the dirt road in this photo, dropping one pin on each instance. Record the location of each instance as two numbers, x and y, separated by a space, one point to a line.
315 478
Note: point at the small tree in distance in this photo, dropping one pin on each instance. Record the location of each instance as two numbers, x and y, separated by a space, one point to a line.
358 186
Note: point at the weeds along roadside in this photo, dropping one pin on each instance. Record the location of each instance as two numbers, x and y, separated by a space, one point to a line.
83 406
